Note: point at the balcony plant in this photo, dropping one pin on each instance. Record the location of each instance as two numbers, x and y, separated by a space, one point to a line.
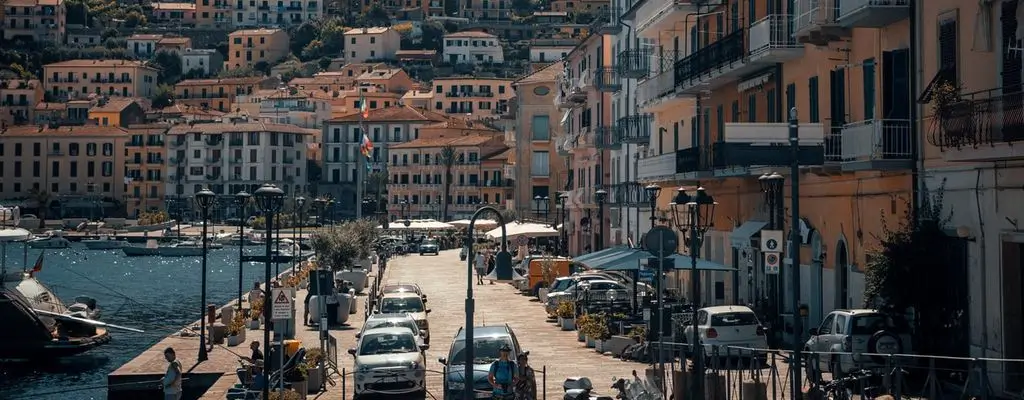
638 333
297 378
255 313
582 322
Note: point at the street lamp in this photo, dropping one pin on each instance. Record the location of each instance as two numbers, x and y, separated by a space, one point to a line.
242 200
270 199
695 214
563 237
204 199
653 191
771 186
600 195
299 202
537 202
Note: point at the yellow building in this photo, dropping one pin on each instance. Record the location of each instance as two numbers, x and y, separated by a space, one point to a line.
36 20
474 98
394 80
79 78
538 171
117 112
219 93
80 167
18 99
144 167
248 47
213 14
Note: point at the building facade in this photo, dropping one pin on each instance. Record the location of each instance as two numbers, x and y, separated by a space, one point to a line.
34 20
208 62
472 47
78 78
18 99
538 171
249 47
472 98
144 168
371 44
220 93
251 14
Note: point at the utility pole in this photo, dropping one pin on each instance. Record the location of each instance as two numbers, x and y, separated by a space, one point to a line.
794 250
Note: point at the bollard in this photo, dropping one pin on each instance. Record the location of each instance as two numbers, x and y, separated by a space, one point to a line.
544 382
211 313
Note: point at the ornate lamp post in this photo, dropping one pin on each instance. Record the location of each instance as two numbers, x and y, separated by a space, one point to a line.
204 199
299 202
600 195
771 186
694 215
563 237
537 202
242 200
653 191
270 199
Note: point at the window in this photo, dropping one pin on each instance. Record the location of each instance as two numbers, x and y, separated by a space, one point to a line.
812 91
752 107
541 127
773 115
948 56
540 164
826 325
869 89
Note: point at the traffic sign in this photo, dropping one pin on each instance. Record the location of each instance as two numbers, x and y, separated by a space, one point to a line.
771 263
771 241
661 241
282 304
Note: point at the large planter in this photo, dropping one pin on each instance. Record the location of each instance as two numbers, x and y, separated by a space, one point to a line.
314 380
542 294
353 305
580 337
567 324
235 340
300 387
599 346
590 342
254 324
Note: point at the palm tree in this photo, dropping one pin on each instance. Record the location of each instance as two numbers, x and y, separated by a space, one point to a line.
378 182
449 156
42 199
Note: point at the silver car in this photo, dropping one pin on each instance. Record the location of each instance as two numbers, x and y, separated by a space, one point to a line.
389 361
398 320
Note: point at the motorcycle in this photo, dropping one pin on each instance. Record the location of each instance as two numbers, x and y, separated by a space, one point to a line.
581 388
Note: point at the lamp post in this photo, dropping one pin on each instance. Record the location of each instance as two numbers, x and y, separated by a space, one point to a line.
771 186
537 205
299 202
600 195
403 208
563 237
794 252
269 198
242 200
653 191
695 214
502 262
204 199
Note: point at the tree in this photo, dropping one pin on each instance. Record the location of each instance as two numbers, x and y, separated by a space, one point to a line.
301 35
324 63
169 64
263 67
522 7
42 199
509 215
351 241
376 16
449 156
163 97
134 19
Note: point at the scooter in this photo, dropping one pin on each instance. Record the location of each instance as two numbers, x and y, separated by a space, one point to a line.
580 388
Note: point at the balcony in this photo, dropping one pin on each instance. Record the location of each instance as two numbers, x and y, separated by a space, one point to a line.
155 143
134 143
872 13
509 171
627 194
657 168
576 94
874 145
634 63
582 140
634 129
771 134
981 126
817 22
180 141
656 16
605 80
727 59
469 94
135 161
289 160
606 21
604 137
175 161
213 160
214 140
563 144
236 161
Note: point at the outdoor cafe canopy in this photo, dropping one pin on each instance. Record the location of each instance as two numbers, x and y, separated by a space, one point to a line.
418 224
627 259
527 229
479 224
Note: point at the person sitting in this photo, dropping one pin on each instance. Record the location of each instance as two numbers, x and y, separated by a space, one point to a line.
257 355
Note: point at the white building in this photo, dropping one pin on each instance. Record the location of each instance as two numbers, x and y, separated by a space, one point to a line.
236 154
143 45
208 61
379 43
261 13
286 106
472 48
549 50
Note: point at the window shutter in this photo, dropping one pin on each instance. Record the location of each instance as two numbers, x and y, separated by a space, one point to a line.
694 138
1011 73
720 117
790 98
947 45
735 111
772 111
869 89
752 108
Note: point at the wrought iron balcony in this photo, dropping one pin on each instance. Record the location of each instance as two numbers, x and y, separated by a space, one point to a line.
634 63
635 129
979 119
604 137
606 21
720 54
817 22
872 13
214 141
510 138
213 160
236 142
606 80
627 194
654 17
877 144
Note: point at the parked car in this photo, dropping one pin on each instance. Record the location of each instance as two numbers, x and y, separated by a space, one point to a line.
731 329
852 333
402 320
486 342
594 285
404 288
405 302
429 246
389 361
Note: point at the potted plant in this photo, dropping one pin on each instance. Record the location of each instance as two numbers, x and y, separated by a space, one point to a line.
314 374
638 333
296 378
549 271
236 330
566 313
255 313
600 332
285 395
581 323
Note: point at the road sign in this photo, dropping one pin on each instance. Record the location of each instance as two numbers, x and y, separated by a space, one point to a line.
661 241
522 241
771 263
646 275
771 241
282 308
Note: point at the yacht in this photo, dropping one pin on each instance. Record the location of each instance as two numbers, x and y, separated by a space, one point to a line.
104 243
181 249
50 240
149 249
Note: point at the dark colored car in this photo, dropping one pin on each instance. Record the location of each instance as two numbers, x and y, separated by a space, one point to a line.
487 341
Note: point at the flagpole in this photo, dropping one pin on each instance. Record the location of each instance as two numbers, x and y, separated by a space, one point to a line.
360 159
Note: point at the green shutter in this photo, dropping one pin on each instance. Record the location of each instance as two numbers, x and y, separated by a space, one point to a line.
790 98
735 111
752 107
869 89
720 117
812 90
675 136
694 138
772 112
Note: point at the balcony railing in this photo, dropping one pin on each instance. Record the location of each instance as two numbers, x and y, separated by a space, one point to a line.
236 161
718 55
660 167
872 13
876 140
134 143
634 129
817 22
288 160
627 194
982 118
772 37
606 21
605 80
655 88
214 141
510 138
769 133
634 63
236 142
604 137
469 94
213 160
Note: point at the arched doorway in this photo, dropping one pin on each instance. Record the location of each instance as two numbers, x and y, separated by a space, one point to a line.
842 275
816 295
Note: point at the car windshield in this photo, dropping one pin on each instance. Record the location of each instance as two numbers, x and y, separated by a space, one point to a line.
868 324
430 242
400 288
485 350
381 323
561 285
387 343
734 319
390 305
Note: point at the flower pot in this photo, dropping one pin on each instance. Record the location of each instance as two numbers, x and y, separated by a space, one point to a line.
300 387
568 324
235 340
254 324
314 380
599 346
542 294
580 337
590 342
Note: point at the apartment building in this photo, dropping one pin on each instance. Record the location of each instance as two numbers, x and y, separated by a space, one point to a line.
347 102
342 79
77 78
417 172
538 172
142 45
249 47
545 51
584 95
176 45
144 165
496 10
208 62
285 106
472 98
80 167
368 44
219 93
342 138
34 20
18 99
214 14
394 80
117 112
472 47
254 13
234 155
173 13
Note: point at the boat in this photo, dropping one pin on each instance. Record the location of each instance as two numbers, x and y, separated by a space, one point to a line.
150 249
104 243
244 240
50 240
181 249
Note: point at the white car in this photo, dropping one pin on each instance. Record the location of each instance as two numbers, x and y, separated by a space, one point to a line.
389 361
406 302
734 330
400 320
849 334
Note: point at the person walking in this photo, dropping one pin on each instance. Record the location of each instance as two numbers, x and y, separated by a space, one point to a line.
502 374
490 264
526 380
481 267
171 384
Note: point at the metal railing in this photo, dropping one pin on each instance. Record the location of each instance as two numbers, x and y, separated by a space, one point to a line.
634 63
811 14
877 139
772 32
606 80
980 118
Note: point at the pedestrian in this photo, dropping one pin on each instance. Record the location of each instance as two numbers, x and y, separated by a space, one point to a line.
256 293
171 384
490 264
481 267
305 308
257 355
502 373
526 380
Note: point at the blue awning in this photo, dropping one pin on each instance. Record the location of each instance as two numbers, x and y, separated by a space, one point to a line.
740 236
685 262
598 254
622 261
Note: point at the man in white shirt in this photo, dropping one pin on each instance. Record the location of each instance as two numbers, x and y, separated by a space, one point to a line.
172 378
480 267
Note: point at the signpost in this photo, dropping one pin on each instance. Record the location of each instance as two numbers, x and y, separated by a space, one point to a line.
771 263
282 304
661 241
522 241
771 246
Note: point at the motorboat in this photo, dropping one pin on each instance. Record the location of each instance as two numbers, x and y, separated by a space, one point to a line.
104 243
181 249
50 240
244 240
150 249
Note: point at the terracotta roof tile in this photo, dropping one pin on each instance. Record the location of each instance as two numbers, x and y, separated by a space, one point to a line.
43 106
99 63
501 155
173 6
145 36
249 80
394 114
546 74
114 105
369 31
460 123
230 127
86 130
460 141
254 32
470 34
185 109
174 40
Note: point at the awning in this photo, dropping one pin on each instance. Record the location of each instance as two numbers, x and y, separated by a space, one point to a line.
597 254
680 262
685 262
565 117
740 237
619 260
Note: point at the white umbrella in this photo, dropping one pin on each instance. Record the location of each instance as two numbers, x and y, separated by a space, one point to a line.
480 223
527 229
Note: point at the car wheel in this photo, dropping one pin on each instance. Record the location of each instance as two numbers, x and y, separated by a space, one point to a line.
813 369
836 368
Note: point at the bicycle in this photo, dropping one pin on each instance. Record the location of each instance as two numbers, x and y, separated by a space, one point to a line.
842 388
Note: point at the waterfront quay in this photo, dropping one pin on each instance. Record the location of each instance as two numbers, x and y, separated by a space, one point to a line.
442 279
